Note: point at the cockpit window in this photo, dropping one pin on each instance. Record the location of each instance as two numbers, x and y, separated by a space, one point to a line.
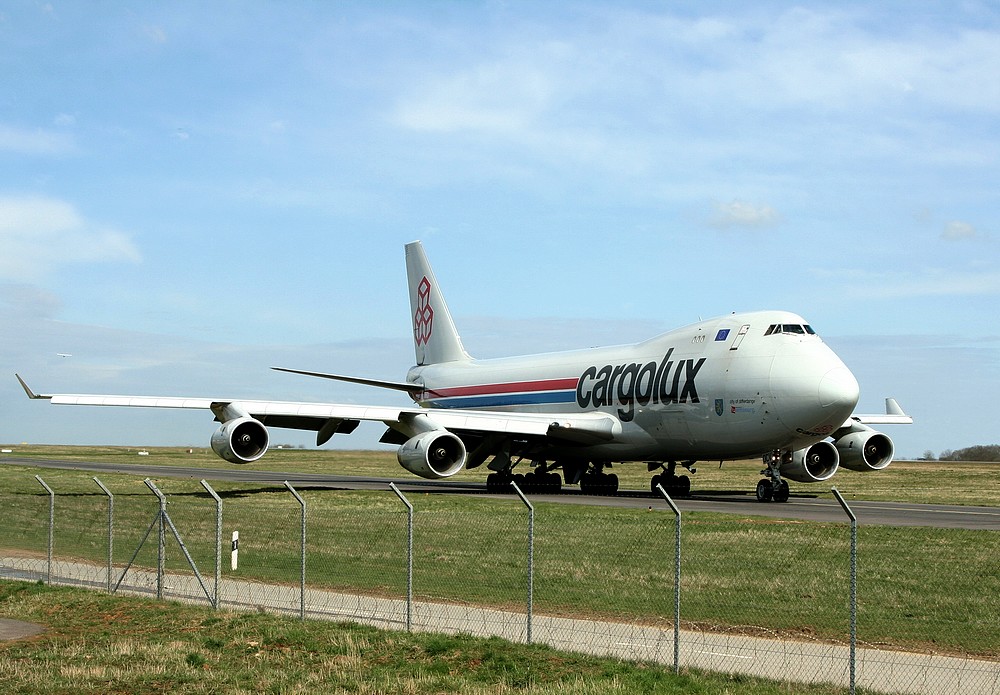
790 328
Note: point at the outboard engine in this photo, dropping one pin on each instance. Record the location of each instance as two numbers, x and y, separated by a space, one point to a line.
866 450
243 440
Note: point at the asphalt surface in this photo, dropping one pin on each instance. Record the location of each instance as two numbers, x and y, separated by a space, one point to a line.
17 629
800 506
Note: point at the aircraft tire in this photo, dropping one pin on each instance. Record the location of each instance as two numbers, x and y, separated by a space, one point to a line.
599 484
683 486
498 483
781 492
654 481
765 490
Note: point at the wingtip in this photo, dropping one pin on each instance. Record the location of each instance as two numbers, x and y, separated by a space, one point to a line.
892 407
31 394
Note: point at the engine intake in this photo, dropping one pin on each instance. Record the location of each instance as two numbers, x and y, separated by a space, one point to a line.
867 450
243 440
432 455
813 464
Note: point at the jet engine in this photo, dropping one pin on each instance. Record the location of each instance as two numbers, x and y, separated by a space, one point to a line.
434 454
813 464
242 440
865 450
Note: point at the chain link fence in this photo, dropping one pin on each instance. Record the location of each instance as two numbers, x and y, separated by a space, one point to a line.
753 595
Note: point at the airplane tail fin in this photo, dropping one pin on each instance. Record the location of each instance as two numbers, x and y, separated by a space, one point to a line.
435 338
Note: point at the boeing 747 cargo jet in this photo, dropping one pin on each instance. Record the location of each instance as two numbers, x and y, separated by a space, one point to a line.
744 385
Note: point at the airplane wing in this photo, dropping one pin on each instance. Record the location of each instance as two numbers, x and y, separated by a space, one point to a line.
328 419
894 415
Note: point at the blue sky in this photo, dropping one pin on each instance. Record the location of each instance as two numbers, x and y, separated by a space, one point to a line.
191 193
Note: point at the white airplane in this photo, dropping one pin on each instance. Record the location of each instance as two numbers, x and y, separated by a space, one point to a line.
744 385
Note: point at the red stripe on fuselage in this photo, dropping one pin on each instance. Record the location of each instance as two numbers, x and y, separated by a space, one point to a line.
512 387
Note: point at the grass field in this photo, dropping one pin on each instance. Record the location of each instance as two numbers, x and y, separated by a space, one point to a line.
98 644
923 589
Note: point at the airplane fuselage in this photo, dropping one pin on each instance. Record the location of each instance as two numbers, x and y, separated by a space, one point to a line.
718 389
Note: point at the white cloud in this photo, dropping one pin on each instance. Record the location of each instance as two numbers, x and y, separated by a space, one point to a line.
27 300
40 234
742 214
501 97
155 34
36 142
959 231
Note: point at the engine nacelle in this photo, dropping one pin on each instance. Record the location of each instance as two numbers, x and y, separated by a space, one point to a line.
243 440
867 450
813 464
433 455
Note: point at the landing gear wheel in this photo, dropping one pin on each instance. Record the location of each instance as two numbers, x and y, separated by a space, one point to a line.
599 484
675 485
683 486
781 491
498 483
765 490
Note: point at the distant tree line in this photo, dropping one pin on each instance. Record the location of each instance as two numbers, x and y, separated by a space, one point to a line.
983 452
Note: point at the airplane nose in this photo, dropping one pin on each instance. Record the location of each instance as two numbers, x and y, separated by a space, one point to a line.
838 389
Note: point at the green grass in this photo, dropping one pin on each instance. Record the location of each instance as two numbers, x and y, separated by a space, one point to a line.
99 644
919 588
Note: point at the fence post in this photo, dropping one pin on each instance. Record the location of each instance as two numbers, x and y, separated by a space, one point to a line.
531 554
302 581
218 541
677 578
409 556
111 522
52 523
854 583
160 552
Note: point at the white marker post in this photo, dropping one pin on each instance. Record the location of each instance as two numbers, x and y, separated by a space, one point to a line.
236 550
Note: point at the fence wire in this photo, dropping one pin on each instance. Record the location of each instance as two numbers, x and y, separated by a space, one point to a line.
758 595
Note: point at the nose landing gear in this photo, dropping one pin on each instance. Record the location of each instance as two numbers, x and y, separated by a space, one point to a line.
773 487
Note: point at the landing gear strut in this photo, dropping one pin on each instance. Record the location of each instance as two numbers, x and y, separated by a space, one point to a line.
773 487
675 485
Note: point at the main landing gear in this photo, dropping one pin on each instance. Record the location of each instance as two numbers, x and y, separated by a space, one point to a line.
545 478
675 485
537 481
773 487
597 482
